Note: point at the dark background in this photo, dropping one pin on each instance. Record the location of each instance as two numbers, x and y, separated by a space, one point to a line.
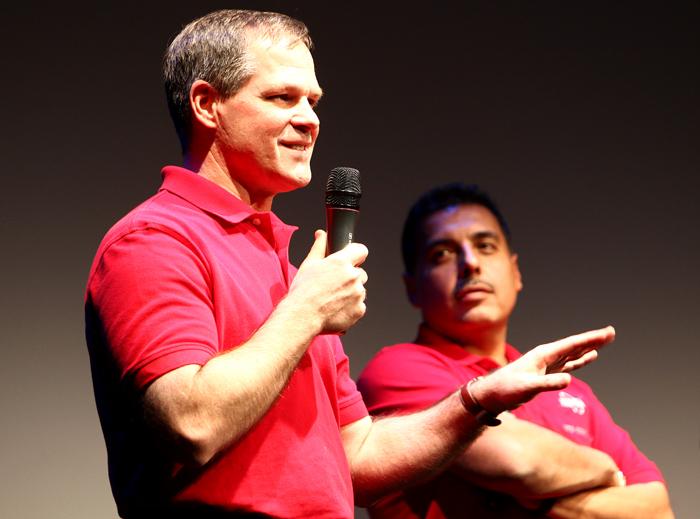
580 117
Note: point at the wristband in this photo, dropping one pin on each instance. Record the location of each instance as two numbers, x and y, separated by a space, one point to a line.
474 408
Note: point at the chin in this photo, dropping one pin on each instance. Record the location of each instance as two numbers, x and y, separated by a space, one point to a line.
300 177
305 179
290 179
294 184
478 319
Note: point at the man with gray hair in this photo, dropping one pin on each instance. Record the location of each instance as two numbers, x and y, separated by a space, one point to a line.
221 383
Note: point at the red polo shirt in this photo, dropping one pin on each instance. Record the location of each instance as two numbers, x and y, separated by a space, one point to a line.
412 376
189 274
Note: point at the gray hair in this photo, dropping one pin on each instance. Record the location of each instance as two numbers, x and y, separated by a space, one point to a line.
213 48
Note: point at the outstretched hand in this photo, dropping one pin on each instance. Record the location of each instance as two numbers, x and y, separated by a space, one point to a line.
544 368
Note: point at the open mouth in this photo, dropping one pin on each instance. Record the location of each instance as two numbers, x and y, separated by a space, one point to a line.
297 147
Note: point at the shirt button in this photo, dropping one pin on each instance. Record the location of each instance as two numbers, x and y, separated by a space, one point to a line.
256 221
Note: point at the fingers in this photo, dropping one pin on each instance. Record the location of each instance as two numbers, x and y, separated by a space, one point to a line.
332 287
355 253
552 382
318 249
582 341
586 358
545 368
362 275
573 351
504 389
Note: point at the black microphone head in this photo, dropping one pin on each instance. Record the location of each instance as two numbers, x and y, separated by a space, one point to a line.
343 188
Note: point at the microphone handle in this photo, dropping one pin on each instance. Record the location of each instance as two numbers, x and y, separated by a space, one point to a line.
340 226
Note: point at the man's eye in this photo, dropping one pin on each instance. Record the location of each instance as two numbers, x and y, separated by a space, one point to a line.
487 247
437 256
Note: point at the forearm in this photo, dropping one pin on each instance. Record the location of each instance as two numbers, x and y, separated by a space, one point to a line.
646 500
531 462
204 409
400 451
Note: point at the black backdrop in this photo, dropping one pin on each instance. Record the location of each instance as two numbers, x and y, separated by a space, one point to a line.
580 117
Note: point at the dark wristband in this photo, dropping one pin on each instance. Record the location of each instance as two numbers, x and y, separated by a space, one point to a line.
474 408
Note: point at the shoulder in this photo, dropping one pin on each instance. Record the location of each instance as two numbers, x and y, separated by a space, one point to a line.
162 212
161 230
397 357
394 362
408 377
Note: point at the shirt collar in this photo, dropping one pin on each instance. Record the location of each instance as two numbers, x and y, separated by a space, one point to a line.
215 200
429 337
204 194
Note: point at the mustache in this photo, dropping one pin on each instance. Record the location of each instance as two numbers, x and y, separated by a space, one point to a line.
466 283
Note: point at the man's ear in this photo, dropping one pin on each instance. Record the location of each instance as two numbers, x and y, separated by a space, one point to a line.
516 272
203 101
409 283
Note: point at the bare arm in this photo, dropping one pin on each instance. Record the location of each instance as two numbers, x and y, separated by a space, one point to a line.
202 409
530 462
395 452
640 501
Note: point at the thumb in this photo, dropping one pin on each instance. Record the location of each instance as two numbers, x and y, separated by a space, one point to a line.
318 249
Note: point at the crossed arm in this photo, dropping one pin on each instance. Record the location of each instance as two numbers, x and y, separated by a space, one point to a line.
643 500
532 463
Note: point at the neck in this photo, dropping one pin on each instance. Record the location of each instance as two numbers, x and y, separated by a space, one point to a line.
487 341
213 167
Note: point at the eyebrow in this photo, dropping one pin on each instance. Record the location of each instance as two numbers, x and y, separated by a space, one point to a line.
284 86
485 234
434 243
480 235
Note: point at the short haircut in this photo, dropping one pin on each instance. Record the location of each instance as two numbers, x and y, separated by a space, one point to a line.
213 48
437 199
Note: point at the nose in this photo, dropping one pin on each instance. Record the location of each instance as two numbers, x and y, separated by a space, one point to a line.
469 261
305 118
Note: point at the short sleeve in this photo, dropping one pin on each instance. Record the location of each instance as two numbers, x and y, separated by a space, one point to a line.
351 406
149 300
402 378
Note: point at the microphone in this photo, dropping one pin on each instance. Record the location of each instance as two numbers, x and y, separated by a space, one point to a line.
343 194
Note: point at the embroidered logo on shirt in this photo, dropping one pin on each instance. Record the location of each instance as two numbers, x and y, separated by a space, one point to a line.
572 402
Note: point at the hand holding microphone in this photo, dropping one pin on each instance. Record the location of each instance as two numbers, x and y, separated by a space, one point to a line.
330 282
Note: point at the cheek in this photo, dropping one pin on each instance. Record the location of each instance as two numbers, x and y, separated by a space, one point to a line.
509 287
438 285
259 123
